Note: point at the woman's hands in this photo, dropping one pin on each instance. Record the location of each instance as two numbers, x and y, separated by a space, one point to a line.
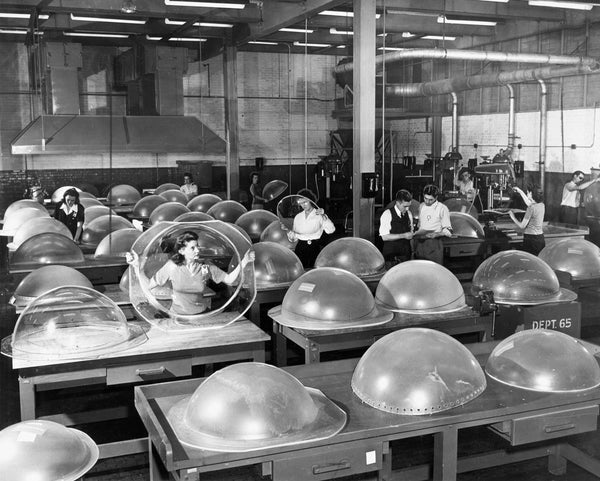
132 258
249 256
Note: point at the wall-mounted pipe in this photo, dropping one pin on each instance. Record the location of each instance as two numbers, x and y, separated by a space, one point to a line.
476 55
511 118
543 133
454 121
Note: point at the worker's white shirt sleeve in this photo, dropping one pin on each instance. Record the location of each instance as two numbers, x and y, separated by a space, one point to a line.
385 223
445 217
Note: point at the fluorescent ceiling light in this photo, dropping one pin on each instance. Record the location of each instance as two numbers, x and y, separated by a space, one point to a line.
296 30
408 35
382 34
439 37
302 44
21 15
178 39
559 4
88 34
335 31
340 13
262 42
180 3
341 46
497 1
200 24
466 21
17 31
393 49
107 20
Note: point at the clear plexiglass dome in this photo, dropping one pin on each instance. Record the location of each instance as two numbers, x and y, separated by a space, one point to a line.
220 244
275 265
577 256
71 322
353 254
255 222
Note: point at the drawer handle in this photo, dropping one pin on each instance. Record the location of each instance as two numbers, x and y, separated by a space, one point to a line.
150 372
327 468
560 427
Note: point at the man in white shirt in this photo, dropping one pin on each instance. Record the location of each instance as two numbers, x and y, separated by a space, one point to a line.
189 188
396 230
571 197
434 223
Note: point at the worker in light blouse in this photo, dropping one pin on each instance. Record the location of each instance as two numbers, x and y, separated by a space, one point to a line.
434 223
571 197
71 213
189 188
308 228
189 274
532 223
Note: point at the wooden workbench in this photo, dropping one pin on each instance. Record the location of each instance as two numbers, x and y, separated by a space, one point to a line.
314 343
364 445
162 356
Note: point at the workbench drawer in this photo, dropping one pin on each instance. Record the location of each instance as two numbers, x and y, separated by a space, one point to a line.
149 371
548 426
330 462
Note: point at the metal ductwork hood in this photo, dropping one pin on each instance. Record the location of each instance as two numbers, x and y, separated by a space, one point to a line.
85 134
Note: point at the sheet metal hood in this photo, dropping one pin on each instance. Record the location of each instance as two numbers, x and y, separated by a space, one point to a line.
85 134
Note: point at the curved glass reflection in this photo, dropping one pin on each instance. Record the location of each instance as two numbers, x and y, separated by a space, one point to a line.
255 222
462 205
274 233
258 406
329 298
36 226
117 243
353 254
167 212
164 187
227 211
123 194
577 256
218 303
420 287
71 322
544 360
87 202
519 278
195 216
46 278
100 227
21 217
146 205
417 371
47 248
591 200
22 204
173 195
465 225
45 450
94 212
203 202
274 189
275 265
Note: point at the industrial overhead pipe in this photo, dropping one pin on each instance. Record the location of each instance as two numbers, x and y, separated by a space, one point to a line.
454 122
543 133
511 118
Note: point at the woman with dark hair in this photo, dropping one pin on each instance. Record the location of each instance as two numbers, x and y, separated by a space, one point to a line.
70 212
308 228
533 234
189 188
464 182
256 192
396 230
189 274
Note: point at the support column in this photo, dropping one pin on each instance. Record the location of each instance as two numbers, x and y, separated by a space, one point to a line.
363 110
231 122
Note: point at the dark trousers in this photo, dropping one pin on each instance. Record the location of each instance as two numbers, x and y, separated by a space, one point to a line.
430 249
307 252
533 243
569 215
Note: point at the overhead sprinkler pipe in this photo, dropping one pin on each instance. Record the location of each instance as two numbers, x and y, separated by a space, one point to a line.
454 121
511 118
543 132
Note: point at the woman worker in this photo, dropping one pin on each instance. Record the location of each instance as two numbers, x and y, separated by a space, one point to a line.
533 235
464 182
189 274
70 212
307 229
256 192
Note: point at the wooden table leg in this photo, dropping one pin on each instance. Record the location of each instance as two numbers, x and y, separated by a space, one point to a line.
280 346
445 454
27 398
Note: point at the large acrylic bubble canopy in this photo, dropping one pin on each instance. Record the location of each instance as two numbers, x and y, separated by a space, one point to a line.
22 204
227 210
420 287
43 450
20 217
353 254
289 207
117 243
203 202
174 195
195 216
164 187
417 371
100 227
94 212
544 360
123 194
274 189
274 233
255 222
518 277
47 248
87 203
462 205
329 298
167 212
259 406
465 225
71 322
38 225
275 265
146 205
577 256
46 278
591 200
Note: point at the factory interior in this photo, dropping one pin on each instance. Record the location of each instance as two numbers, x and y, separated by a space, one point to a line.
299 240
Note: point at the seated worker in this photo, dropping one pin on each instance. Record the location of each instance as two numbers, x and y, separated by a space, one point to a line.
434 223
464 182
396 230
308 228
189 188
71 213
533 234
189 274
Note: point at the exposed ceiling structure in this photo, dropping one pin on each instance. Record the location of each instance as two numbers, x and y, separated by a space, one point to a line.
317 26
